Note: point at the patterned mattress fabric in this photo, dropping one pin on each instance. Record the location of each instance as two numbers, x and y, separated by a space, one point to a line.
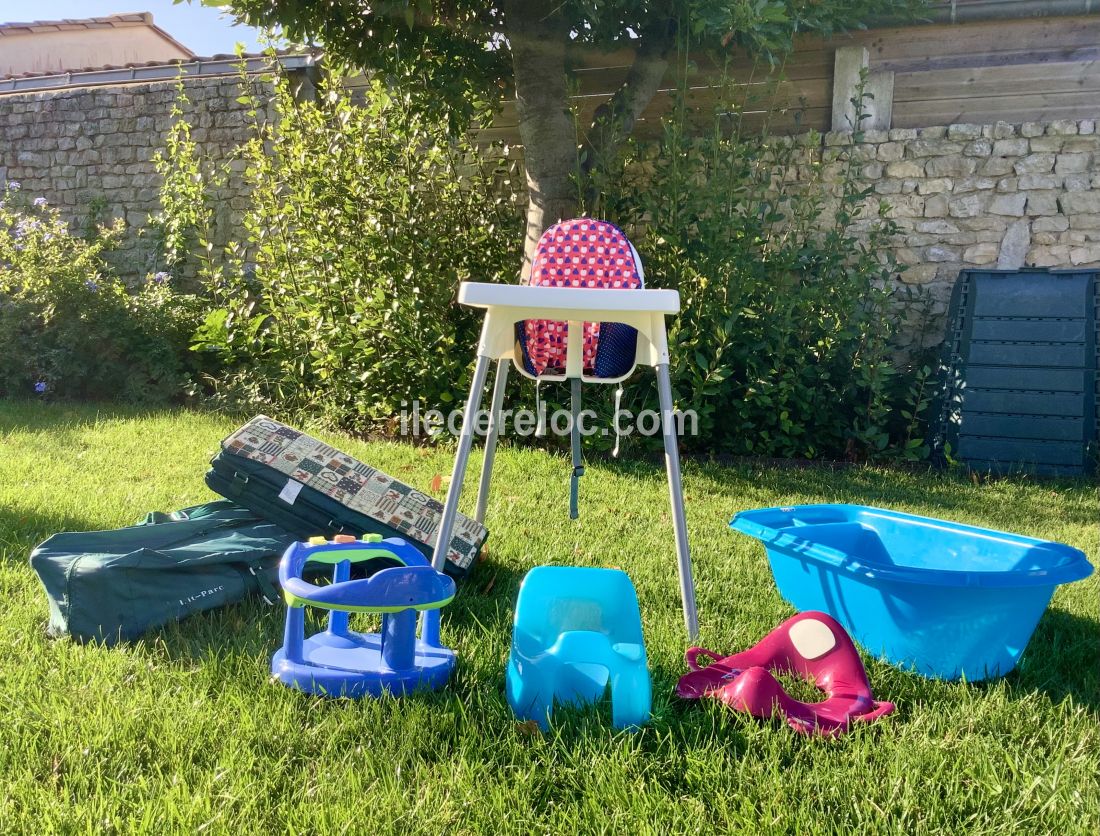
358 486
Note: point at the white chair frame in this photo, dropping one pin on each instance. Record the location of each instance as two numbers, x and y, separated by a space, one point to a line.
505 305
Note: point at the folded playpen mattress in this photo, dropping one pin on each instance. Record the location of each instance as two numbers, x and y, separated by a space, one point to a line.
310 488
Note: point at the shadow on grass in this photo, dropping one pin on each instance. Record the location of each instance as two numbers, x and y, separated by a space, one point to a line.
34 415
22 529
253 628
480 595
836 482
1062 660
241 638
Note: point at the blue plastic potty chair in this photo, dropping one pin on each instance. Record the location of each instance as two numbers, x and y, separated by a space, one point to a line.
338 662
576 631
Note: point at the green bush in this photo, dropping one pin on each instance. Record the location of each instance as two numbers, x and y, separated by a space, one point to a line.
182 228
363 219
365 216
785 345
68 327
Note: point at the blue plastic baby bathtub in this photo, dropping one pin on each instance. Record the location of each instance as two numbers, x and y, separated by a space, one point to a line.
944 599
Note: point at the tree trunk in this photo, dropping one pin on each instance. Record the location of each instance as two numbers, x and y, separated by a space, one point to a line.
538 35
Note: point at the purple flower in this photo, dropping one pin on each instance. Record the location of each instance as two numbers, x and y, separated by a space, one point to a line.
91 285
40 201
25 226
14 185
40 387
161 277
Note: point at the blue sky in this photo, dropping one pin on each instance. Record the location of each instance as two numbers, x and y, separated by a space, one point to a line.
204 30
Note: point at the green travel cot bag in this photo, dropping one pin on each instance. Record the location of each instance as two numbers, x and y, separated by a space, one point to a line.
312 489
113 586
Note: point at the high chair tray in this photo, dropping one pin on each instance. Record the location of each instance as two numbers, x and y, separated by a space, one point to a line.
584 300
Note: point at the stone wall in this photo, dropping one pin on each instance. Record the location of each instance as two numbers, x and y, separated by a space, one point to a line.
89 151
994 196
1000 195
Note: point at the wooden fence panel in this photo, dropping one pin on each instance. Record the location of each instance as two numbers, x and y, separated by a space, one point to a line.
1031 69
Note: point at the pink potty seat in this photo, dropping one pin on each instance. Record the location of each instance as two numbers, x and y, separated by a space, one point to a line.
811 645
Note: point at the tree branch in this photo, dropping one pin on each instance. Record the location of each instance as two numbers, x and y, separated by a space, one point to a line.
614 120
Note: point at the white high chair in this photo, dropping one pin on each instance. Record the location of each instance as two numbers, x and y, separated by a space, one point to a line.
504 306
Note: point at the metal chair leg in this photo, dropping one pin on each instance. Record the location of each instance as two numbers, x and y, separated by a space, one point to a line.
429 627
462 457
676 497
499 385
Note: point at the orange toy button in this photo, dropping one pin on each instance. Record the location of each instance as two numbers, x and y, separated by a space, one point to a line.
343 538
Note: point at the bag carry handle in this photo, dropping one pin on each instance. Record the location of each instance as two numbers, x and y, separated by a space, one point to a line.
267 589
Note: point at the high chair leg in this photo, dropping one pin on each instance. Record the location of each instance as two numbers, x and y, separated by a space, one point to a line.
428 629
676 497
462 457
499 385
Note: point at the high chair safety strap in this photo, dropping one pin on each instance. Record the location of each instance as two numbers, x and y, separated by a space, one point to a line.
615 420
575 439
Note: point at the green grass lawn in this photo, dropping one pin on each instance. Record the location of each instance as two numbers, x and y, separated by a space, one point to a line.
183 730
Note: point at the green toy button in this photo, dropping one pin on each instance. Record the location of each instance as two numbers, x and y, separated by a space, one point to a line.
372 538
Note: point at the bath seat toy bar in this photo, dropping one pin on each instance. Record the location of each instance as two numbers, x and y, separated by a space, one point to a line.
339 662
811 645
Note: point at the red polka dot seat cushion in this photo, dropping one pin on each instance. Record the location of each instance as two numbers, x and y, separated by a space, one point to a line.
582 252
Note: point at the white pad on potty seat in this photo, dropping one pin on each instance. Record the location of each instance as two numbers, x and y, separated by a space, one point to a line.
811 646
812 638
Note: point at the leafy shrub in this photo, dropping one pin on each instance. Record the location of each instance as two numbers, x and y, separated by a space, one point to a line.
365 216
363 220
785 345
182 227
70 328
